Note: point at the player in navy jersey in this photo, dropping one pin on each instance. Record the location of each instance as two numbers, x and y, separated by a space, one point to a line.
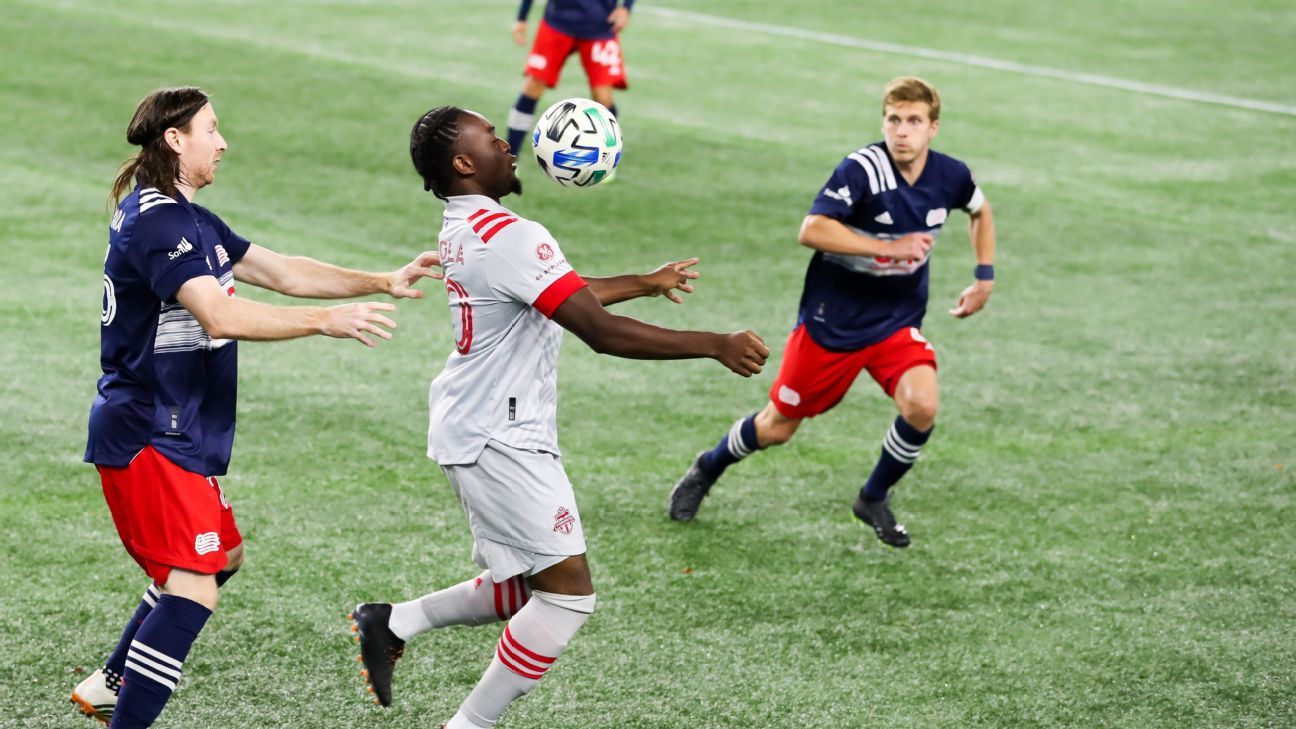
872 228
587 27
162 423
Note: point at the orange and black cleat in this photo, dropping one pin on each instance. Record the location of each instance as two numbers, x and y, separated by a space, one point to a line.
379 648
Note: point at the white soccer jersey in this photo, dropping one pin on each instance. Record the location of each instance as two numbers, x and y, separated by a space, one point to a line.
505 276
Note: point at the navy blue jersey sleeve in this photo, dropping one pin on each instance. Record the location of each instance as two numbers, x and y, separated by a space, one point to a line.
524 10
963 188
846 188
162 248
234 244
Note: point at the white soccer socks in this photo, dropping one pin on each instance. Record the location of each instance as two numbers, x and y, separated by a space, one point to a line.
531 642
475 602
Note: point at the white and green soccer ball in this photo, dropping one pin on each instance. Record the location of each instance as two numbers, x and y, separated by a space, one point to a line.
577 143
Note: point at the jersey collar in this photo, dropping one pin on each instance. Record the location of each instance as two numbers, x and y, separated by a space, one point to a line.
464 205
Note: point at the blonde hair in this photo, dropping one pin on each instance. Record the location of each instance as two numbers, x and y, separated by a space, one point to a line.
912 89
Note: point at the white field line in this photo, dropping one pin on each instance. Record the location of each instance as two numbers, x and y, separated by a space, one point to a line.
964 59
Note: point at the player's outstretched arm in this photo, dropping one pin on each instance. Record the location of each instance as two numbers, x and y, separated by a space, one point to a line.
606 333
662 282
982 232
225 317
311 279
829 235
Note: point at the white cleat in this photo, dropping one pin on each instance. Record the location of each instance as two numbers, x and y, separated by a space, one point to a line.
94 698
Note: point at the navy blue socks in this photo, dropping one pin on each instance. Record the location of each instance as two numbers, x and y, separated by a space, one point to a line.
736 445
520 120
900 448
154 660
115 666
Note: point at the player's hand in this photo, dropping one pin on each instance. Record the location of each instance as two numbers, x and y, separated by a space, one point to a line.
618 19
671 276
400 282
743 352
355 320
973 299
520 32
911 247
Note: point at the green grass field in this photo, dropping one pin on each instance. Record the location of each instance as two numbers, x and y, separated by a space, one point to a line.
1103 522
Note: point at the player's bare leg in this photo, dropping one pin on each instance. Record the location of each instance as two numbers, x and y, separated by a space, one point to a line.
603 95
532 641
917 398
522 116
774 428
767 428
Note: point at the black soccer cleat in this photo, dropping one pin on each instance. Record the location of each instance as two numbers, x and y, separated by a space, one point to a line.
686 497
877 514
379 647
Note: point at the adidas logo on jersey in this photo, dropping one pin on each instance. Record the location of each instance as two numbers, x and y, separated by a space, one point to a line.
183 247
885 218
843 194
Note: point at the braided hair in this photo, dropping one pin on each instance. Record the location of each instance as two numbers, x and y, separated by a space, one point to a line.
432 147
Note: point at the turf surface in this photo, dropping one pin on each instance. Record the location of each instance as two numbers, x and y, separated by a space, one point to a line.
1102 522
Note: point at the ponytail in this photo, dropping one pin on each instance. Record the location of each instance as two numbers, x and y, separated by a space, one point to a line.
156 164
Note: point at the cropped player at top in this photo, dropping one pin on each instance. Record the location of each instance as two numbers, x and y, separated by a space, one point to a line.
162 421
872 228
493 426
589 28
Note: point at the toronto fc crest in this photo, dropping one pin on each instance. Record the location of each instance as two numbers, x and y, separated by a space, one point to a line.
563 521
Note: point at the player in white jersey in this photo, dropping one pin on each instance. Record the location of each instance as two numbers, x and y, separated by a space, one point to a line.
493 414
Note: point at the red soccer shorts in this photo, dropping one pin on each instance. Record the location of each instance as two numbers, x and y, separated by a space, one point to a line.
601 58
812 379
169 517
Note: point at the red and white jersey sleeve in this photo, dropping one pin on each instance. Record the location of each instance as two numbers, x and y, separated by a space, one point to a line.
528 265
505 277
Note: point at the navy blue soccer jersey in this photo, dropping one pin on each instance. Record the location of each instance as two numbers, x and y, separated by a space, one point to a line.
583 19
850 302
165 382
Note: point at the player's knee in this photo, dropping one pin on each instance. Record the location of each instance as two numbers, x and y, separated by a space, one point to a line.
533 87
920 411
577 610
194 586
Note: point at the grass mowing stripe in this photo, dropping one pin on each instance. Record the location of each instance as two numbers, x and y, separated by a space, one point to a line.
966 59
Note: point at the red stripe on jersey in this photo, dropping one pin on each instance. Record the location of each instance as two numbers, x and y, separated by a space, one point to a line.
499 601
541 661
479 212
498 227
559 291
477 226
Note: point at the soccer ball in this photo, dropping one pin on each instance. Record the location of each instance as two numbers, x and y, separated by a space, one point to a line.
577 142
